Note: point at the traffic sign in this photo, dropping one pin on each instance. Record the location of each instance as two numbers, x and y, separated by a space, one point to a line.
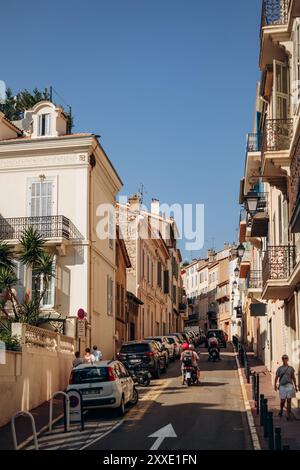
76 407
80 328
81 314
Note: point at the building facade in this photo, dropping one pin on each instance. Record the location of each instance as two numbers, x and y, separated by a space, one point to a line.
58 181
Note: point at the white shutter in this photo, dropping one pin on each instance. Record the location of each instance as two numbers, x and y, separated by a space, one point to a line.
47 124
20 287
280 90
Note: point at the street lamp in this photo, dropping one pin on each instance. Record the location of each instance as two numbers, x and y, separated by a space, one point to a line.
234 284
252 200
240 250
236 271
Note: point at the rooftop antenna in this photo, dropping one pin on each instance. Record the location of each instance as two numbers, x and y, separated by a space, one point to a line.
141 192
2 92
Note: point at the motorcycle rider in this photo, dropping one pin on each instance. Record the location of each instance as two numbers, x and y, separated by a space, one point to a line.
213 343
188 350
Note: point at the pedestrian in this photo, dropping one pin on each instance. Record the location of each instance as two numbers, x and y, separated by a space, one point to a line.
285 374
78 360
88 357
97 354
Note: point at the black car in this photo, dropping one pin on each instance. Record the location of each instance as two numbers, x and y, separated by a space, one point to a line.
145 354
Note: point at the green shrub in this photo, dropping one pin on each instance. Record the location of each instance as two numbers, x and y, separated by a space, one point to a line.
11 342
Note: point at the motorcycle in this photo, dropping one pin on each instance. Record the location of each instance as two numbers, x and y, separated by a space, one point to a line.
190 375
214 354
139 375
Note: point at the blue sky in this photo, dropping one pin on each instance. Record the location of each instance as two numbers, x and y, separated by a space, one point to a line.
168 84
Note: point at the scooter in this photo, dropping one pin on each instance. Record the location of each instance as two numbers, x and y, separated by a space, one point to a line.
139 375
214 354
189 375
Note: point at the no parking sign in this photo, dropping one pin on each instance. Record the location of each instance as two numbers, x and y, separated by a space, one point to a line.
76 408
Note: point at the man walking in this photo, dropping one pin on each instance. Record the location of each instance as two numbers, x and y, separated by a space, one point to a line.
287 385
97 354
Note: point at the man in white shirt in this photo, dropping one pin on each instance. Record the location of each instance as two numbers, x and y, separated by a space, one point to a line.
97 354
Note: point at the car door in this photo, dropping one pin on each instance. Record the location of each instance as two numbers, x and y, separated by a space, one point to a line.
127 381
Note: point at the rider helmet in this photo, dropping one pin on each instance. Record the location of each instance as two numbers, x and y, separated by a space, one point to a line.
185 346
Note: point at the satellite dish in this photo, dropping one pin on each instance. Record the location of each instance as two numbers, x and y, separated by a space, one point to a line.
2 91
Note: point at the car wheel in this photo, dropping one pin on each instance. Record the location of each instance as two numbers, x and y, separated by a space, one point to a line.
135 397
120 411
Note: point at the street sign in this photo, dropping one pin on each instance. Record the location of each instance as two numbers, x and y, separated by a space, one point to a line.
81 314
76 407
80 329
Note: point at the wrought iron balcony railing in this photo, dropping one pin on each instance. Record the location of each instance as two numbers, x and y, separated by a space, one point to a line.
277 135
253 142
255 279
51 226
275 12
278 263
294 189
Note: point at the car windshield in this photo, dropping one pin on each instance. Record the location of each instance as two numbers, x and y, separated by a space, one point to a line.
135 348
89 375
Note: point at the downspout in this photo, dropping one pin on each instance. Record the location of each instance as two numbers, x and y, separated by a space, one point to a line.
90 192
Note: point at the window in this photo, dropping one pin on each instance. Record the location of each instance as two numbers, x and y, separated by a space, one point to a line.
159 280
280 228
41 198
123 302
280 91
166 282
109 293
49 297
118 307
111 231
44 123
296 64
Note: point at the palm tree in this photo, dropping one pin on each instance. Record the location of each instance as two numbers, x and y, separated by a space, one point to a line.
34 256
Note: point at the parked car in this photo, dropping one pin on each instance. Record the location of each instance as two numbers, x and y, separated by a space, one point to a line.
167 346
164 354
106 384
177 345
180 337
220 334
144 353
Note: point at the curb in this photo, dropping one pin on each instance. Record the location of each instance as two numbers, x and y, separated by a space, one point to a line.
251 424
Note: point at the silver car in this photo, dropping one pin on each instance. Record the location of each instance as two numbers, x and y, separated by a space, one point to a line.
105 384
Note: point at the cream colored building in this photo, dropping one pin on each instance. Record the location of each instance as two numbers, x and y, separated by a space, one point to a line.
154 275
56 182
272 302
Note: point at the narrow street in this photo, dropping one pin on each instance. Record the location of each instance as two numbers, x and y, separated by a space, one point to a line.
210 416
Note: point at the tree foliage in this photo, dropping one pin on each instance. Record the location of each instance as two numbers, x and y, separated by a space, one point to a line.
34 256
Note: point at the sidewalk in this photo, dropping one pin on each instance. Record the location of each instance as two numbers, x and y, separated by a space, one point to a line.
23 425
290 430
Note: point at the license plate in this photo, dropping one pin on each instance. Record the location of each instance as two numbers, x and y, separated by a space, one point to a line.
93 391
134 361
188 375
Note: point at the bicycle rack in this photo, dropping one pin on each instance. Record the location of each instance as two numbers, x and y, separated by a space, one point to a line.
13 429
66 410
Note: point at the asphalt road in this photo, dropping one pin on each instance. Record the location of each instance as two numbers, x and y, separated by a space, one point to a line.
205 417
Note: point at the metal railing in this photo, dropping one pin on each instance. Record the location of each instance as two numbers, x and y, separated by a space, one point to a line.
278 262
253 142
50 226
255 279
274 12
277 135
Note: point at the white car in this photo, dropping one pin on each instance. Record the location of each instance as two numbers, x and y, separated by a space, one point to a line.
177 346
105 384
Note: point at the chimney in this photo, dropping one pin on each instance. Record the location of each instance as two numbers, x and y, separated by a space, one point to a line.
155 206
211 255
134 203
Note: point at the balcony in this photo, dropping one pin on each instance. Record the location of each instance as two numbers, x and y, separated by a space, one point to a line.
254 283
252 160
294 191
277 138
277 267
192 319
274 28
260 221
223 293
52 228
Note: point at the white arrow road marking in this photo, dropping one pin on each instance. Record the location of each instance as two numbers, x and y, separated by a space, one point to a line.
161 434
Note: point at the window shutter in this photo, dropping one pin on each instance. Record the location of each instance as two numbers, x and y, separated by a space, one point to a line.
20 287
166 282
